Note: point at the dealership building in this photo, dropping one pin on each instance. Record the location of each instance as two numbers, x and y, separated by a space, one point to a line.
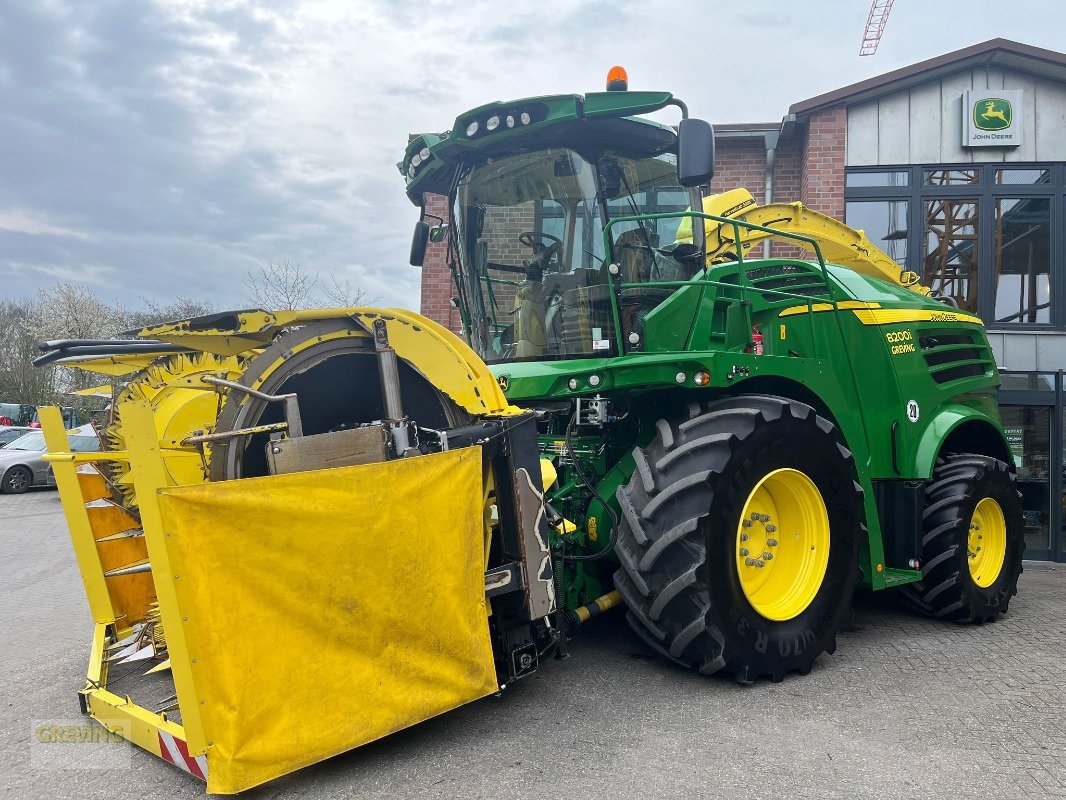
956 168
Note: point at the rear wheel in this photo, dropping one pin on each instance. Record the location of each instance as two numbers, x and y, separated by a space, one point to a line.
739 538
16 481
972 543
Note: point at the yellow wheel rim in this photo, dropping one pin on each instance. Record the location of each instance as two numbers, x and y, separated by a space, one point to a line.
986 545
782 544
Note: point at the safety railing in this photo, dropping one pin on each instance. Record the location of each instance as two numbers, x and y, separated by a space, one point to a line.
743 284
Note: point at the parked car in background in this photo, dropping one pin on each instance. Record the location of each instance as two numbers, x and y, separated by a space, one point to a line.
27 414
22 464
9 433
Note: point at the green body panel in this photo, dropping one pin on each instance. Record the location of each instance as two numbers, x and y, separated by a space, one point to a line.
898 373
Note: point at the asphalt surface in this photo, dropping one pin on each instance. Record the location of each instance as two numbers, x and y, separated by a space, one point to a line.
906 708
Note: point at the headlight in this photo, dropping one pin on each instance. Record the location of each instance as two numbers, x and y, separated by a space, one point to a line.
525 118
416 159
492 123
411 171
424 153
510 121
471 129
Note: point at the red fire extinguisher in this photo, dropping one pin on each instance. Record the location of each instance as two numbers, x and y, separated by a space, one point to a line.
756 341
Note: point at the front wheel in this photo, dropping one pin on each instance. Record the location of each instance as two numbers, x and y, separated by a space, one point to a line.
740 537
972 543
16 481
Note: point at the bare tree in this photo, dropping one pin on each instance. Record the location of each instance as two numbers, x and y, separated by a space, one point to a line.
283 285
288 285
343 293
153 312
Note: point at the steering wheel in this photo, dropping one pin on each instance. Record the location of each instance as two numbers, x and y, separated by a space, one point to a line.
547 254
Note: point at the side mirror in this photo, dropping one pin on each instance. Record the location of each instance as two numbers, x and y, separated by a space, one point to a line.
418 243
695 152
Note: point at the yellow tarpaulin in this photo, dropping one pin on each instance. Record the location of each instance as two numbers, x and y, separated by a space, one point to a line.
327 609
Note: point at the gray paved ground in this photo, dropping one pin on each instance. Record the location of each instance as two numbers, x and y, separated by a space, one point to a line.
907 708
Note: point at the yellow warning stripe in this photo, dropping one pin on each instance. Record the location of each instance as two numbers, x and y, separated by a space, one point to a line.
843 304
894 316
873 314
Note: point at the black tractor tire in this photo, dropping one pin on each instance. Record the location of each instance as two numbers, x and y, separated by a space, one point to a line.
16 480
947 590
677 539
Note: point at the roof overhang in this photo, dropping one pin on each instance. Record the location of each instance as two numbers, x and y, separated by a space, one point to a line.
995 52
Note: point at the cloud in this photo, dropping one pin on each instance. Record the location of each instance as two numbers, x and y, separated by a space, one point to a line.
93 275
19 220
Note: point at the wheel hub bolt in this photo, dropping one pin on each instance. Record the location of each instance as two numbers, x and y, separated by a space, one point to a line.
759 563
743 551
771 542
767 555
746 523
771 528
743 537
749 562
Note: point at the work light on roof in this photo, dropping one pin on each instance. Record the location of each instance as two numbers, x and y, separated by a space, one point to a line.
472 128
492 123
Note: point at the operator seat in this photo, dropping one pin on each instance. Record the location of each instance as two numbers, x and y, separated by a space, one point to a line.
587 324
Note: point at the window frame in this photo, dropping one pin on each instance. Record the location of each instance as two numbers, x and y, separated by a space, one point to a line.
985 192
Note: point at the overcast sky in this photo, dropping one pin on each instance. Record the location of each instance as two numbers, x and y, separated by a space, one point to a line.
150 149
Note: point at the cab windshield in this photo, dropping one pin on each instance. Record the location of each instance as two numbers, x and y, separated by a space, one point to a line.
529 231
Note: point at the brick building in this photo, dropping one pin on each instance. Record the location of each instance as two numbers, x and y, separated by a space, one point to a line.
956 167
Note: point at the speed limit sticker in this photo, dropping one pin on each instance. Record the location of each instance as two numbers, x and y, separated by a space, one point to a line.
913 412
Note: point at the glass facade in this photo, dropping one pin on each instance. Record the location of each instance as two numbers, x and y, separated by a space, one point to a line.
952 246
1031 405
885 223
1028 430
991 237
1023 260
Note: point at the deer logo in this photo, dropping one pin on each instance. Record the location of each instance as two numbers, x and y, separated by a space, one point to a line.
995 116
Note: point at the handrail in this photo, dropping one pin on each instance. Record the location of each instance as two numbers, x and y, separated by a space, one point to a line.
744 285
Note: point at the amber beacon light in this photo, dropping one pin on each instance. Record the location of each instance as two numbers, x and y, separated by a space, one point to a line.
617 80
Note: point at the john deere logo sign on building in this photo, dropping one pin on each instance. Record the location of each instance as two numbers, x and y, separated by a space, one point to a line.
992 118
